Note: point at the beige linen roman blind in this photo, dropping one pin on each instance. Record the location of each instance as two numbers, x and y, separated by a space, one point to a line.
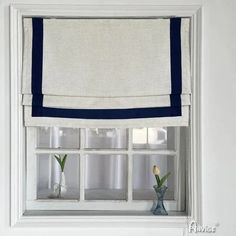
106 72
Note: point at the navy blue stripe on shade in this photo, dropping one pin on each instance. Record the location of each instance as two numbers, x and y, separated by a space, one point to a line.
37 100
175 56
111 114
37 55
130 113
175 100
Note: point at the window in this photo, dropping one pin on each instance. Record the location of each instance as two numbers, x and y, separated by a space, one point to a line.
28 150
107 168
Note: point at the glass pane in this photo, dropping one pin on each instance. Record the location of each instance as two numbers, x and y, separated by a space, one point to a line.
106 138
154 138
50 181
105 177
56 137
143 178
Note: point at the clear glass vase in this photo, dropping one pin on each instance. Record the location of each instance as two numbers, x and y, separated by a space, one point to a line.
60 189
160 208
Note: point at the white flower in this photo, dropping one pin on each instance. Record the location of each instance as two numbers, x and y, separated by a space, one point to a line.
156 170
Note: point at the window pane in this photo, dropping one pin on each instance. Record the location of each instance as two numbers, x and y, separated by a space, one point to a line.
56 137
105 177
154 138
106 138
143 178
49 177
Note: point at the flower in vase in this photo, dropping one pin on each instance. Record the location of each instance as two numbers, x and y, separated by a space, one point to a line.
160 190
61 187
160 180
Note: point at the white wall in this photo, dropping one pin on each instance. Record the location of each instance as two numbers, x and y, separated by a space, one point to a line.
218 117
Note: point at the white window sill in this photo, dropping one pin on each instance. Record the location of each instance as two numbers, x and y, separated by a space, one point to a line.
95 219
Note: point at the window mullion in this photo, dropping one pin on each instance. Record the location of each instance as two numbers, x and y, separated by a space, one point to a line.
130 166
56 150
82 164
50 159
177 169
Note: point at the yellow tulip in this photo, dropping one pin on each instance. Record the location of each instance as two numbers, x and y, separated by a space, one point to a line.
156 170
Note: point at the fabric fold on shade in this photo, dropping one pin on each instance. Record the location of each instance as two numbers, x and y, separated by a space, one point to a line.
101 123
106 72
105 102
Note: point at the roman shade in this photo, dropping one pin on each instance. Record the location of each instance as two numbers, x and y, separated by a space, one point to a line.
106 72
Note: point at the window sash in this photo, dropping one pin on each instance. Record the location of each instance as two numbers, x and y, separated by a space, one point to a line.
32 203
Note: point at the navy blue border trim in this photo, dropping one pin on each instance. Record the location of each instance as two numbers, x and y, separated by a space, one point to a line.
175 61
37 55
37 62
131 113
175 47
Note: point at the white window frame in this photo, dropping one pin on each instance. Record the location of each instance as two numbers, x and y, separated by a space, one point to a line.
18 152
176 206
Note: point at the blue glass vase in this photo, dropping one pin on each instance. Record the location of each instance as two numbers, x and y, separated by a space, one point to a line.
160 208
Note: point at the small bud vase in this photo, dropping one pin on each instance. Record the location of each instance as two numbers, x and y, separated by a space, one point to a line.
62 186
160 208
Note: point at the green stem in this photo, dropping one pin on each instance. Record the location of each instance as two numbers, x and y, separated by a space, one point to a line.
158 180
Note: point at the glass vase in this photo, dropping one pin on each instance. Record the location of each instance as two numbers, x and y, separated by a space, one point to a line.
60 188
160 208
